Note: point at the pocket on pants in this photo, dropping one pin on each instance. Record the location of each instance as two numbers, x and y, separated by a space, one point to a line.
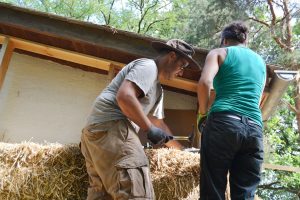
135 179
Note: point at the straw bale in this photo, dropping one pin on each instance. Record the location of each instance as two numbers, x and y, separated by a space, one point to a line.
174 173
193 195
55 171
50 171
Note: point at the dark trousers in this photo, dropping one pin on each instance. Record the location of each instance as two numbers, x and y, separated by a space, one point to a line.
234 146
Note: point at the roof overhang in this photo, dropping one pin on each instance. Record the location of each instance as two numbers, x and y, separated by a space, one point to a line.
89 46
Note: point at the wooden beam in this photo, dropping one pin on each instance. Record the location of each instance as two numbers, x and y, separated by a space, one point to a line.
111 72
5 56
2 38
63 54
281 167
181 84
87 60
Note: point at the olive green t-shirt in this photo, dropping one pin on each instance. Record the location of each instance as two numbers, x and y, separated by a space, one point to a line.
144 73
239 83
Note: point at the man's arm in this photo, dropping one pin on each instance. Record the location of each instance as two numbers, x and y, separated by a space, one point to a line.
211 67
127 98
161 124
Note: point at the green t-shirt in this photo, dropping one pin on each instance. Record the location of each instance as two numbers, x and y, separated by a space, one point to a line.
239 83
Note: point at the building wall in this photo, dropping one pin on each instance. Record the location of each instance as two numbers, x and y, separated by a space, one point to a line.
44 101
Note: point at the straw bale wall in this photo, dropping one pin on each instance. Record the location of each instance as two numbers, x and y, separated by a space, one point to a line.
56 172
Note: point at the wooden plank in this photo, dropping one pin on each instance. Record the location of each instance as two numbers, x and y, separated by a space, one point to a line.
63 54
111 72
5 56
91 61
2 38
181 84
281 167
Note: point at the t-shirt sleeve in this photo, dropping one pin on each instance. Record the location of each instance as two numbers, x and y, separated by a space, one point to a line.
143 73
158 109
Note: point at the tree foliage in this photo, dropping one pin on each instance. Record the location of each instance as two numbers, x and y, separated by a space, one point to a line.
76 9
282 146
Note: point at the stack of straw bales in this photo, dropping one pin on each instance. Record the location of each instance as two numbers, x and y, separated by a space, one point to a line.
55 171
32 171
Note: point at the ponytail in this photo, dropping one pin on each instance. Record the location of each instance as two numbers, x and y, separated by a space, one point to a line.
237 31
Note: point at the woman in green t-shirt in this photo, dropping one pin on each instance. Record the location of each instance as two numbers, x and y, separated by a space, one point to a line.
232 140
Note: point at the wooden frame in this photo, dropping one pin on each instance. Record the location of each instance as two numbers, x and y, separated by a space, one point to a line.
87 60
5 56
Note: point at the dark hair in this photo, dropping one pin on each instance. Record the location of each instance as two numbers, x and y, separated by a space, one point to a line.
237 31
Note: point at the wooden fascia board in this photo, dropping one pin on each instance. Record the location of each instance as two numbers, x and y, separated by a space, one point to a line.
87 60
5 57
63 54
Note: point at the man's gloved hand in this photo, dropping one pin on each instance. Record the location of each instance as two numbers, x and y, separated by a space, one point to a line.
201 119
158 136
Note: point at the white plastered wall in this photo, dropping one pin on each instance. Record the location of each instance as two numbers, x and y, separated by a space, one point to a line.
44 101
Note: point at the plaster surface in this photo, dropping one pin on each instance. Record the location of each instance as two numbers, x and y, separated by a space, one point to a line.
44 101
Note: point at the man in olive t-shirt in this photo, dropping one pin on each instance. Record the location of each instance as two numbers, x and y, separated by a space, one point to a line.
115 160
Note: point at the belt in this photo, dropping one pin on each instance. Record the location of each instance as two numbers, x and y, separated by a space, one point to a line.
239 118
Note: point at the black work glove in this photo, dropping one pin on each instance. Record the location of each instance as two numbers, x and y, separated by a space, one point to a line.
158 136
201 122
